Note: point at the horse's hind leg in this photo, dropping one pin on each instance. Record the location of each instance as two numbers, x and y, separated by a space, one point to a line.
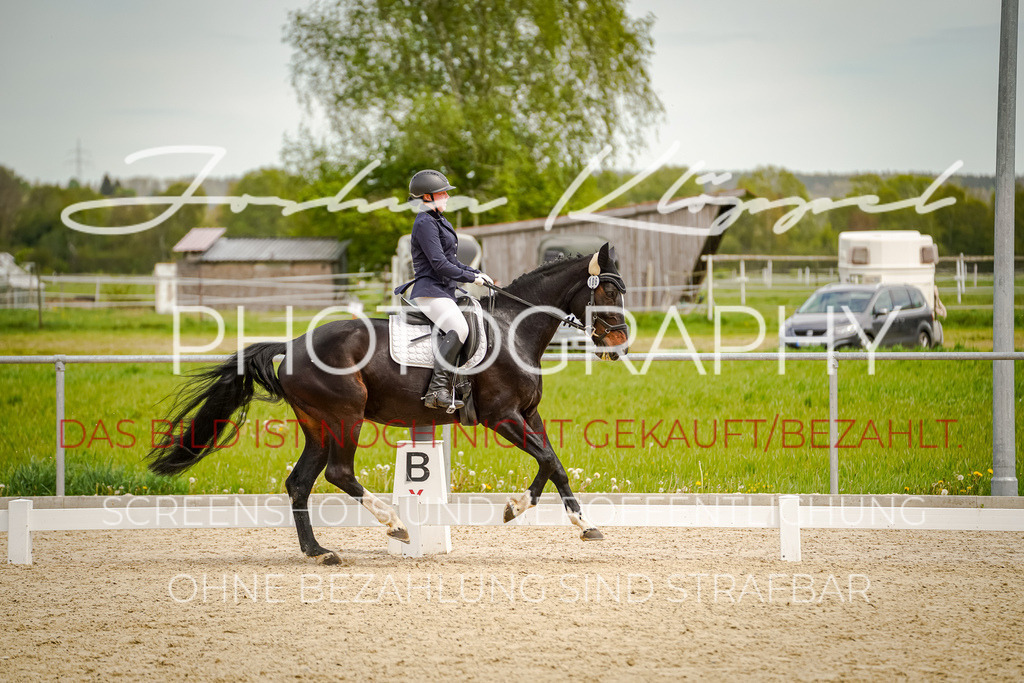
341 472
299 484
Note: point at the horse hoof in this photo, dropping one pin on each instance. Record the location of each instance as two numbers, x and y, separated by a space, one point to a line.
329 558
510 514
399 534
592 535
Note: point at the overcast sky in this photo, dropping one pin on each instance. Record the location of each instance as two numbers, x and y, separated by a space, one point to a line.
813 86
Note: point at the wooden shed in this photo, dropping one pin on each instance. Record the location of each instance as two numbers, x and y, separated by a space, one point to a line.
659 267
260 273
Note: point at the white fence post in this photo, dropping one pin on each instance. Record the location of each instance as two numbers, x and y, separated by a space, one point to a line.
743 282
789 527
711 286
19 534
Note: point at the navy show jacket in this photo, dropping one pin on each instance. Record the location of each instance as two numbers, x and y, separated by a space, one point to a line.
434 257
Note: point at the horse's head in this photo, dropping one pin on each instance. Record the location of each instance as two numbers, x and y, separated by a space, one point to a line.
604 309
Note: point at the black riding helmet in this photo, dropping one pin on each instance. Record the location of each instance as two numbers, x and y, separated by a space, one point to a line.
427 182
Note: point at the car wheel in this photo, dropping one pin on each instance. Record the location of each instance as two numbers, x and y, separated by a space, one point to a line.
924 340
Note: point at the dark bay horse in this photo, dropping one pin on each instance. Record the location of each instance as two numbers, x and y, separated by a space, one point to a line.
507 393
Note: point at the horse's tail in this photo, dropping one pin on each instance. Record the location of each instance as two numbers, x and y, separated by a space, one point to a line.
203 408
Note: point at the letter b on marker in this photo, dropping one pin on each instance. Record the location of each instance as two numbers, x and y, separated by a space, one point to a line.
416 466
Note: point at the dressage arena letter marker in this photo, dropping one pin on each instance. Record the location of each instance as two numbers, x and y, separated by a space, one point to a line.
416 471
420 471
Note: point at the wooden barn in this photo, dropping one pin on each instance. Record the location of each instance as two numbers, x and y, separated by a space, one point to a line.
259 273
659 268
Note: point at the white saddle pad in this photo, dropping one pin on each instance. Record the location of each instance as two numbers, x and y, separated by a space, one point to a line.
420 354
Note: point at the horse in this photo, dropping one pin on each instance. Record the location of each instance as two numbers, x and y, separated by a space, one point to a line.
507 393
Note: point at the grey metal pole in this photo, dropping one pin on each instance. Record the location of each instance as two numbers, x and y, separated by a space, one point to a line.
1004 474
833 426
59 367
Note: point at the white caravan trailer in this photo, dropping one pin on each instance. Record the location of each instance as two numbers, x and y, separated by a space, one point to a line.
900 256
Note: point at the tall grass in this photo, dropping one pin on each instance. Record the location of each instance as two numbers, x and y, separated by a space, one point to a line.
600 434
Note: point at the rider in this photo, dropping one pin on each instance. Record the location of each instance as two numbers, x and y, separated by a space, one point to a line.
437 271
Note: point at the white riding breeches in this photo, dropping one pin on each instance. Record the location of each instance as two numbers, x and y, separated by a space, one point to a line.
445 313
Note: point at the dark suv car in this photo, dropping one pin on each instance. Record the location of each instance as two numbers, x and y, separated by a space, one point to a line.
913 324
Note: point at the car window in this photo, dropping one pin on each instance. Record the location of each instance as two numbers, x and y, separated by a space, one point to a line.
819 302
900 297
916 297
884 301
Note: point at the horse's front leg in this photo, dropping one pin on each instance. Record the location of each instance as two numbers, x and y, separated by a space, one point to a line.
528 433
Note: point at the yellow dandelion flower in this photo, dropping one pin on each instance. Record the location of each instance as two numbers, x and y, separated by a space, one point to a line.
906 488
990 470
977 474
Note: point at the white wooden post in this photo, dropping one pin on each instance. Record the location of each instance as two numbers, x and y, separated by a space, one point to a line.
19 534
711 287
743 283
789 527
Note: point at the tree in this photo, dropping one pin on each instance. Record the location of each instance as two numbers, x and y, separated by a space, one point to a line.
753 233
12 194
263 221
965 226
509 98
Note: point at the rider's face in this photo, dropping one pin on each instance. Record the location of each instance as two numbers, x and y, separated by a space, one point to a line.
439 200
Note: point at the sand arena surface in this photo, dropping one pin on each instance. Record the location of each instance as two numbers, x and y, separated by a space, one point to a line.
862 605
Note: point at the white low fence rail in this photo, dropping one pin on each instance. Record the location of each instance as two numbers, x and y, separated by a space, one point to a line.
783 512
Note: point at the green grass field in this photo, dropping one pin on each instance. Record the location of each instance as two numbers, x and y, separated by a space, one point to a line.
918 427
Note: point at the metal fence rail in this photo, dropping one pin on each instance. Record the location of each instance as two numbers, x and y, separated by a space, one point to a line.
60 361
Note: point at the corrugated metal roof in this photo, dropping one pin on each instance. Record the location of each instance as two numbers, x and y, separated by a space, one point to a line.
274 250
198 239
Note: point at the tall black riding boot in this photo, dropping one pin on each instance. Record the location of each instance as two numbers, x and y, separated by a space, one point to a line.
439 391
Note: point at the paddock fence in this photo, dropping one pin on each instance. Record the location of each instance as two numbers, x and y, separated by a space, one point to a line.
787 513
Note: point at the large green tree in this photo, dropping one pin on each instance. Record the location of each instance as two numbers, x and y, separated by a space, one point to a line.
509 98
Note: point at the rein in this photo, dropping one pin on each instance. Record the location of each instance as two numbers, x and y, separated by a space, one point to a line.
567 319
593 282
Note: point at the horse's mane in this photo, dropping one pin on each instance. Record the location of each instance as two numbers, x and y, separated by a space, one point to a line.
543 268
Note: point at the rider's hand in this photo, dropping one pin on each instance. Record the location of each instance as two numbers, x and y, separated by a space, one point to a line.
481 278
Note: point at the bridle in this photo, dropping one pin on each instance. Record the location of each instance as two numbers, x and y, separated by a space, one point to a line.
594 281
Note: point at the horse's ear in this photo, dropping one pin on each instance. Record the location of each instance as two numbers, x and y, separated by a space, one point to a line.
604 256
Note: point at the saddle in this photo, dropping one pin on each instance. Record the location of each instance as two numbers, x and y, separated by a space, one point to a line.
409 332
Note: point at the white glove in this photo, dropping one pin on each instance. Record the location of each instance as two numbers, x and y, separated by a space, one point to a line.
481 278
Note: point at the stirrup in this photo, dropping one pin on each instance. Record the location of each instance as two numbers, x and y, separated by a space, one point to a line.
455 403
